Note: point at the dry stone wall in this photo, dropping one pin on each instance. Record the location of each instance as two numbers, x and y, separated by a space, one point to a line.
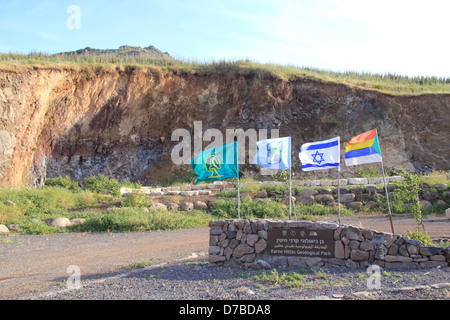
248 243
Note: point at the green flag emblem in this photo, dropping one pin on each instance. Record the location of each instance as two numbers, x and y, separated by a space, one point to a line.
216 163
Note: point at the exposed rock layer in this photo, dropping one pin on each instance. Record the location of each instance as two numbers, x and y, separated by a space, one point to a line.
91 120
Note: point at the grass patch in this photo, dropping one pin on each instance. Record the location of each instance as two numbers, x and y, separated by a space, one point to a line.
303 279
21 205
389 83
30 208
137 200
317 209
140 220
228 209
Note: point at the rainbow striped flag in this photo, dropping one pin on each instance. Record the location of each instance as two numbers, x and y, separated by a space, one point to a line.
362 149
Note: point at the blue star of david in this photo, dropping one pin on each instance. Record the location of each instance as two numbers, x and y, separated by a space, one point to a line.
318 157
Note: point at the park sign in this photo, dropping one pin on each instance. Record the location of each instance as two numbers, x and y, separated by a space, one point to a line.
301 243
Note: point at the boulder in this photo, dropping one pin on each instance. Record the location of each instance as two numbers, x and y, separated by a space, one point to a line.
441 186
252 239
3 229
339 251
402 259
262 194
59 223
307 200
362 197
260 246
172 206
248 194
324 198
425 203
348 197
371 205
429 196
159 206
242 250
325 191
186 206
286 200
359 255
358 181
307 193
356 205
14 227
200 205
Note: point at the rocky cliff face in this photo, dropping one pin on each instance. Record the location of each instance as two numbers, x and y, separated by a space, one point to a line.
119 122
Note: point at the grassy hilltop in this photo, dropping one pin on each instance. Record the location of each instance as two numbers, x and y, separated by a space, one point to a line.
128 56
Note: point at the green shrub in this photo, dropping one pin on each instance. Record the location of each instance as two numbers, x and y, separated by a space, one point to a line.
63 182
43 203
34 228
279 189
367 172
317 209
103 184
137 200
250 186
228 208
138 219
131 185
417 235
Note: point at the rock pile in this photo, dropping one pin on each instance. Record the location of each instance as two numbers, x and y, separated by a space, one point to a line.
243 243
60 222
355 193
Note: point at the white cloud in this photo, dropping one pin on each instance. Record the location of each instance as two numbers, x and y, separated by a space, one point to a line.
406 37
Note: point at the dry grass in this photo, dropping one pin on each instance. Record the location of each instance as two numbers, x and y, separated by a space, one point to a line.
387 83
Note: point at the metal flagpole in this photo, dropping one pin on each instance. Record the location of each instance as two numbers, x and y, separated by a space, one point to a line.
339 182
387 196
290 196
386 190
239 197
290 181
290 191
238 194
339 194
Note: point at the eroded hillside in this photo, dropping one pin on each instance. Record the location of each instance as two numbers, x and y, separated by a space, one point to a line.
118 121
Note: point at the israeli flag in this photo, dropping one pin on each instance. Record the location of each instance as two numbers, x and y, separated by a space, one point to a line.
320 155
274 153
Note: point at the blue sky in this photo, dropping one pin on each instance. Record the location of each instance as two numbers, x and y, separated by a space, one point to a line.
397 36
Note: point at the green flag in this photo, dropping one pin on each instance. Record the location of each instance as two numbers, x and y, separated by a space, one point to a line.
216 163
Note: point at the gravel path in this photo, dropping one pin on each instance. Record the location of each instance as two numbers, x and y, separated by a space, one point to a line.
35 267
30 263
195 279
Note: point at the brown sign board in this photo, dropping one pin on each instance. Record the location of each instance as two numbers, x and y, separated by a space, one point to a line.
301 243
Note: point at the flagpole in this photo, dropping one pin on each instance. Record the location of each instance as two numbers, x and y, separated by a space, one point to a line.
339 194
386 189
387 196
239 197
238 187
290 181
339 181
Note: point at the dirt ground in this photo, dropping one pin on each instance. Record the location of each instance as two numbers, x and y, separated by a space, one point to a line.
31 263
438 228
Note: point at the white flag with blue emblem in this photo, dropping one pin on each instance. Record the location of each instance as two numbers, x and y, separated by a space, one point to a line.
320 155
274 153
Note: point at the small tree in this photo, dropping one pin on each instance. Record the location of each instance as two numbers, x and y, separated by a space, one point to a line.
409 192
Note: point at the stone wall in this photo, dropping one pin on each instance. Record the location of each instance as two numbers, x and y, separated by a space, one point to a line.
217 186
245 243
